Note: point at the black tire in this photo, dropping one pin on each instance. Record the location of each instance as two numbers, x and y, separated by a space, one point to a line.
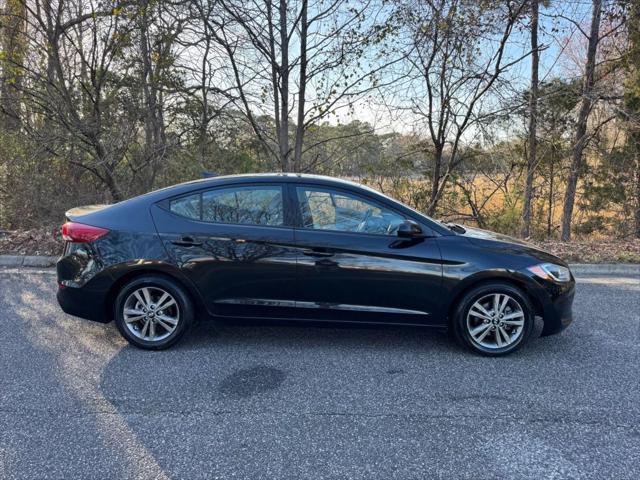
185 309
461 310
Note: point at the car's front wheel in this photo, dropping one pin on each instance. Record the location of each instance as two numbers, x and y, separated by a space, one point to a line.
493 319
153 312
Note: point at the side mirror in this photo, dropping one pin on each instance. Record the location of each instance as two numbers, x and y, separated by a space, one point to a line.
409 229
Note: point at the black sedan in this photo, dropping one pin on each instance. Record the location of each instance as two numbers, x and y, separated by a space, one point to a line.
301 248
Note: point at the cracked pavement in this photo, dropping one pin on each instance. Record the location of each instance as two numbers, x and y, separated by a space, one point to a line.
280 402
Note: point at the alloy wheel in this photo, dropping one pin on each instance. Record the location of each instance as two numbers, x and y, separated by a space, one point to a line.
495 321
151 314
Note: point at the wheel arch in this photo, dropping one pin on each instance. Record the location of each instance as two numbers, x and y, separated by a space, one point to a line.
124 275
520 281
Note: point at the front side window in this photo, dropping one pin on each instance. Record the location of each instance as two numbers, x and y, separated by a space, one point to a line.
260 205
326 209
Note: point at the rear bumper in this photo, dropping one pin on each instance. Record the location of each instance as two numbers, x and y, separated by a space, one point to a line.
82 286
83 303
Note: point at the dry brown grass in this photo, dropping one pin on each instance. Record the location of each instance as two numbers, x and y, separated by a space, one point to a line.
499 201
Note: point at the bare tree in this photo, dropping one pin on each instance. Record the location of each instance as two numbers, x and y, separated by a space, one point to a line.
631 60
160 25
533 113
581 137
298 61
457 54
12 30
80 96
154 128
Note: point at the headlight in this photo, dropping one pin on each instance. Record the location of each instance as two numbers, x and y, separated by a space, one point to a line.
551 271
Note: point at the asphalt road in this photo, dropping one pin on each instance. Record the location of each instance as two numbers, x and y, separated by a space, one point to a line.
275 402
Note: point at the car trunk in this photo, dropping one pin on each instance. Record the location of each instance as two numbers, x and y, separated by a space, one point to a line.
76 213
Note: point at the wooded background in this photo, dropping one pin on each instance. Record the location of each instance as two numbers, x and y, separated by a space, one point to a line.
521 116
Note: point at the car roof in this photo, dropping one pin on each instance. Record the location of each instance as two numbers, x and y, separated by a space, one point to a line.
181 188
271 177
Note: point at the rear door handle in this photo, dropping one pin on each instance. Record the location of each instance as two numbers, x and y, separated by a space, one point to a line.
318 252
187 241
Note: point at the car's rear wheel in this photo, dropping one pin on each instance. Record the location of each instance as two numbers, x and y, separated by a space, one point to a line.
493 319
153 312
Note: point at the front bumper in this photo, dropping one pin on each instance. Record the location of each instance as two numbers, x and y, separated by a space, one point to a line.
556 300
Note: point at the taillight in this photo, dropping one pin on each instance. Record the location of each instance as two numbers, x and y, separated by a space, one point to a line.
81 233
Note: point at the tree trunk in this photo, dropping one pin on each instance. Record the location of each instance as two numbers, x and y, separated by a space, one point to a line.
637 188
13 48
435 179
533 112
633 105
204 115
550 212
297 160
283 134
583 117
153 123
110 183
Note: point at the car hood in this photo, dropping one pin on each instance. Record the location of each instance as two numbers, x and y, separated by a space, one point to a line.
482 237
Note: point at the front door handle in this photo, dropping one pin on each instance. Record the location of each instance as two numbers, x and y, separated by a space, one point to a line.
318 252
186 241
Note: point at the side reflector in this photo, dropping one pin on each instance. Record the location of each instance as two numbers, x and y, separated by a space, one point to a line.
81 233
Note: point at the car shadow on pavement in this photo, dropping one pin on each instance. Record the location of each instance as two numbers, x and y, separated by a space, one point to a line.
228 395
207 333
235 398
237 362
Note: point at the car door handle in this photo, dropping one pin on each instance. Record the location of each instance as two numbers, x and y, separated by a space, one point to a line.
318 253
187 241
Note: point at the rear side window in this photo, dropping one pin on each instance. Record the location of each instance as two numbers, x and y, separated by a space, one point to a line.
187 206
244 206
258 205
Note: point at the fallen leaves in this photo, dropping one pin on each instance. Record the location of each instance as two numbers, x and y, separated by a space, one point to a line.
42 241
594 251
